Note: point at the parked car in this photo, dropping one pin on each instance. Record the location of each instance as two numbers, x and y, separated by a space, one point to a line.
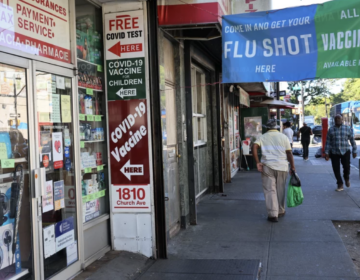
317 130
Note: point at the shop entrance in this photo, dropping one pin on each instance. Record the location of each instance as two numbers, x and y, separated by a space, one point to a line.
39 212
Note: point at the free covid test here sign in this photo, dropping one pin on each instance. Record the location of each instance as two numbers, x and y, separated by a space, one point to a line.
125 55
39 27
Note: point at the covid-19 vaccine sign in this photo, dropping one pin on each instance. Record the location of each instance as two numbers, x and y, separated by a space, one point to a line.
127 112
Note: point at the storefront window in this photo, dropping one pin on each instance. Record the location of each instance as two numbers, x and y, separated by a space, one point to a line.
15 242
199 107
56 155
92 109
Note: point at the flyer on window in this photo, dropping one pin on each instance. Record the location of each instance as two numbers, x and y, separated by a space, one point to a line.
45 149
55 115
49 241
48 197
57 149
59 195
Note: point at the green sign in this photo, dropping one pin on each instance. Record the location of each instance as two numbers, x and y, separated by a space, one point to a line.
82 144
7 163
126 79
81 117
90 118
3 151
93 196
88 170
98 118
89 91
100 167
99 68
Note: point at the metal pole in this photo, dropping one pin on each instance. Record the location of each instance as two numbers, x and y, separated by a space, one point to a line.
302 115
278 98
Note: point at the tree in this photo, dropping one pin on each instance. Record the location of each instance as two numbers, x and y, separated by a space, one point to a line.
313 89
352 89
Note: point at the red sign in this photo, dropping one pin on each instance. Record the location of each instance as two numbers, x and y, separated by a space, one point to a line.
36 27
129 147
118 49
175 12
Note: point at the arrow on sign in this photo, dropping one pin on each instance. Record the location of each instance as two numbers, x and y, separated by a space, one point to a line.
126 92
132 170
118 49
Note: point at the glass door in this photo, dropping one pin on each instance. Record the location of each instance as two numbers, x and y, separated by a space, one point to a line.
16 255
55 135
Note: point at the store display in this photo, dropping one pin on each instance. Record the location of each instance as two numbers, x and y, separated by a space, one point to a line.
45 149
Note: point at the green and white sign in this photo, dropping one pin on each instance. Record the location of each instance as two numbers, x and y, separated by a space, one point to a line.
126 79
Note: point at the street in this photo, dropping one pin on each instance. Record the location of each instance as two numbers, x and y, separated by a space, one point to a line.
354 161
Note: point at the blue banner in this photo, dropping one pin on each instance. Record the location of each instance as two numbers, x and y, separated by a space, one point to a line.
270 46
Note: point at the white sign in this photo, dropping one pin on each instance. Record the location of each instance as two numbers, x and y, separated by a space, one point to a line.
132 170
57 146
48 197
126 92
36 27
55 115
60 82
124 35
131 198
71 253
49 241
91 210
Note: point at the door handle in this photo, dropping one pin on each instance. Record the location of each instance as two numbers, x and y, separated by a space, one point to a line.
178 155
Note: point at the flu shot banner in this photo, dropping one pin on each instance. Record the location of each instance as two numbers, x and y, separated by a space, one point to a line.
302 43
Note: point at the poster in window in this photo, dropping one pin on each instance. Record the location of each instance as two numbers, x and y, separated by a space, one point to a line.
59 195
45 149
57 149
253 127
48 197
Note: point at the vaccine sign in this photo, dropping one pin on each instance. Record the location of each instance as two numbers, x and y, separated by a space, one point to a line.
125 62
36 27
302 43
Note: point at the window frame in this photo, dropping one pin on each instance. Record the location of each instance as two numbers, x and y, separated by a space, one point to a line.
196 116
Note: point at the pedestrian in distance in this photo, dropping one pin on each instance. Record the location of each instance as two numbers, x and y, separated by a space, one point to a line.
306 132
289 133
337 148
274 167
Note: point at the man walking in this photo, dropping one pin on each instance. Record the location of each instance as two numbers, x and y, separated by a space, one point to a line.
274 167
305 140
289 132
338 149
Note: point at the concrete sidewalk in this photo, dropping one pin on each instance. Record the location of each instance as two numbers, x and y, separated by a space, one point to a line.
304 245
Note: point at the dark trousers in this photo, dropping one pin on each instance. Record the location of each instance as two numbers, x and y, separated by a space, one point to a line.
345 161
305 144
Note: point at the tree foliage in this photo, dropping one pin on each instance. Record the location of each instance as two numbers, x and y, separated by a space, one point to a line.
352 89
313 90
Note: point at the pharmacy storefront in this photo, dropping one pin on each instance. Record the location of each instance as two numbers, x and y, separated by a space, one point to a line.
55 200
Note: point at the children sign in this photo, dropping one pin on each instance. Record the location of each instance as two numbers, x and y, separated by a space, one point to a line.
310 42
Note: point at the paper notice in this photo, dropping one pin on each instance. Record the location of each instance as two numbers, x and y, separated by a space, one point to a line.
48 196
65 109
60 82
59 195
55 115
49 241
44 117
71 253
3 151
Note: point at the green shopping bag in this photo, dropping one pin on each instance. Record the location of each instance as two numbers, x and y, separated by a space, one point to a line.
295 195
